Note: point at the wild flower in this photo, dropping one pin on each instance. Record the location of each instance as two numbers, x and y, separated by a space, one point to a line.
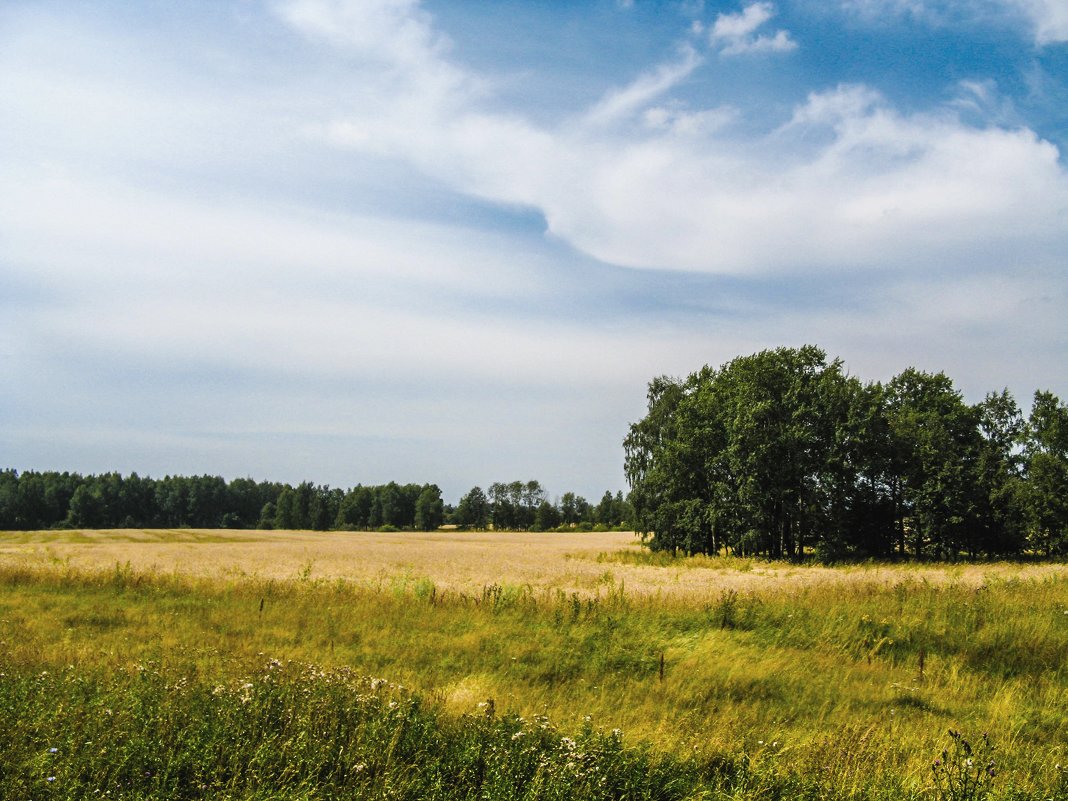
964 773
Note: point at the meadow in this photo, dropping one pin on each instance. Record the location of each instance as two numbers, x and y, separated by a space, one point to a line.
197 664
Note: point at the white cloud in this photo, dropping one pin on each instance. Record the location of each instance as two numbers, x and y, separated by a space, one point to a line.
984 100
1046 19
735 33
677 119
848 183
393 32
781 42
742 23
643 90
876 9
145 248
1049 18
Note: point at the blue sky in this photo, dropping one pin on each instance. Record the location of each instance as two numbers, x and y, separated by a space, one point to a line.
355 242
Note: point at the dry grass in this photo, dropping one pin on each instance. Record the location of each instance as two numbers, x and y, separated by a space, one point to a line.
462 561
812 672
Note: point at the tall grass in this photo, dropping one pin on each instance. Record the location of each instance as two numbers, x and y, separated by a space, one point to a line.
286 731
810 693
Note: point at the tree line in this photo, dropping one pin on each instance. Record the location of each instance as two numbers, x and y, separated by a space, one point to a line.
40 500
783 454
524 506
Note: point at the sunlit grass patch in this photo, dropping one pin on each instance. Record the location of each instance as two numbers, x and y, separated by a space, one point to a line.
864 675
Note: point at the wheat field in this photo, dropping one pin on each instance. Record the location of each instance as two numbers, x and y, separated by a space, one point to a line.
465 561
750 679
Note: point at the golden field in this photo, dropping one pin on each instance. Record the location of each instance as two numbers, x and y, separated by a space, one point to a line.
464 561
840 682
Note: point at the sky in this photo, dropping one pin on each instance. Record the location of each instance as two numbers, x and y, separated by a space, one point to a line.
386 240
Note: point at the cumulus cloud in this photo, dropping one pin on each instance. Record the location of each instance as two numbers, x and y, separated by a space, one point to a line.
848 182
743 23
735 34
158 285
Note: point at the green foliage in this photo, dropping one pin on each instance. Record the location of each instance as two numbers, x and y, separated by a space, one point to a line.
285 730
429 508
31 501
1046 458
473 511
782 454
514 506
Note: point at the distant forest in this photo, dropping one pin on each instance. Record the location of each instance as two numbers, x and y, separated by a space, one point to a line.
41 500
779 454
783 454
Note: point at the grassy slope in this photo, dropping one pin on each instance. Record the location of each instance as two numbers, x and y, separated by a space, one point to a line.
817 689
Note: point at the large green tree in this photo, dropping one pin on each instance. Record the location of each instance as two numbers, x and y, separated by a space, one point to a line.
739 457
938 445
782 453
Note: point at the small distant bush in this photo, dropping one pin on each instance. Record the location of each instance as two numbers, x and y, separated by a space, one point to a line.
388 528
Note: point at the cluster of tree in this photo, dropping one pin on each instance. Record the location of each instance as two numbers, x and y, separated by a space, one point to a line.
33 500
400 506
524 506
38 500
783 454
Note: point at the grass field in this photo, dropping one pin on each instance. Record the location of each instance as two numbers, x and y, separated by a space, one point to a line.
300 656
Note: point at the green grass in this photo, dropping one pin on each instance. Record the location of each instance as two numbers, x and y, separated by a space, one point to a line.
292 731
811 693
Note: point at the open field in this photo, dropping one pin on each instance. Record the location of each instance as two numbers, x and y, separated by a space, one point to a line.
463 561
743 680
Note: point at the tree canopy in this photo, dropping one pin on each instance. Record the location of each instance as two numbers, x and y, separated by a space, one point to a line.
38 500
782 453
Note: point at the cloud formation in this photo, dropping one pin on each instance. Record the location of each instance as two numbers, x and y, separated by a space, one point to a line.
1047 20
1049 17
847 182
735 34
622 103
311 243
